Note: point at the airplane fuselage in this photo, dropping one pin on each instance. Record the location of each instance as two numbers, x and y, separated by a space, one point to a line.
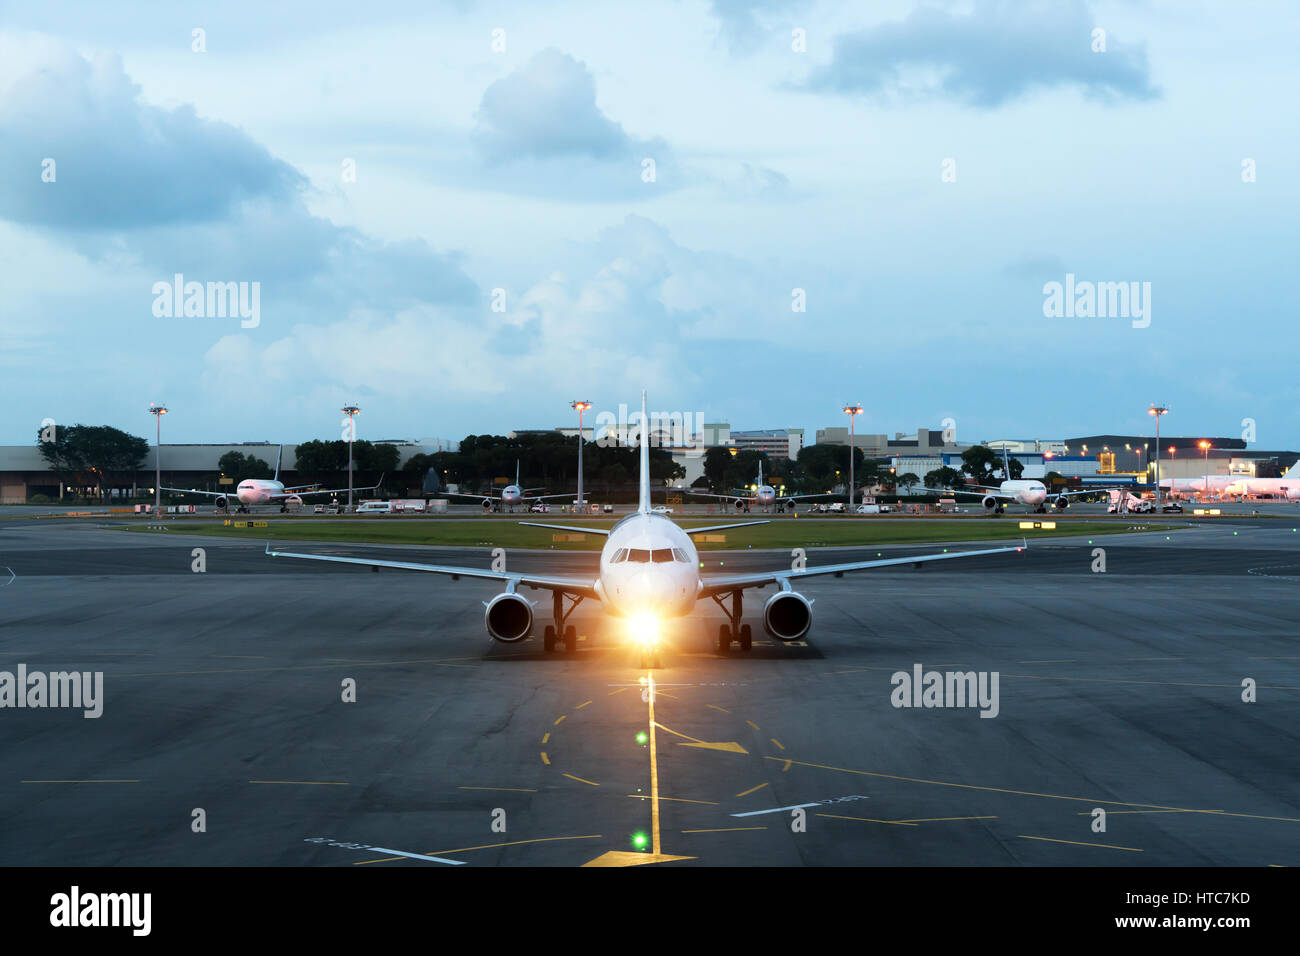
648 566
258 491
1025 491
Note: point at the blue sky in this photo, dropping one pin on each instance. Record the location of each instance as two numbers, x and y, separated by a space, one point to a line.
523 169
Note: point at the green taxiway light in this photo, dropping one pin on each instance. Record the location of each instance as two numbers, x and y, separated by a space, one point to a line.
641 737
639 840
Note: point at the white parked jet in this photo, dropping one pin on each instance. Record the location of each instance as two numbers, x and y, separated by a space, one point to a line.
1212 485
1288 486
511 495
1025 491
261 491
765 496
649 571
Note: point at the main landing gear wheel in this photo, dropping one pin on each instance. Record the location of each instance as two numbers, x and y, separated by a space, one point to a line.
746 637
571 639
724 638
548 638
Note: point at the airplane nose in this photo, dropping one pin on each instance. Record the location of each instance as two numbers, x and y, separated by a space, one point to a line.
647 590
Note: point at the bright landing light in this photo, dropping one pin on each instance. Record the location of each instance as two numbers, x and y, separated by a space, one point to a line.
643 628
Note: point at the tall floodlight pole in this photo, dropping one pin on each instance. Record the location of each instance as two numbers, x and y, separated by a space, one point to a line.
581 407
158 411
350 411
852 411
1205 447
1157 411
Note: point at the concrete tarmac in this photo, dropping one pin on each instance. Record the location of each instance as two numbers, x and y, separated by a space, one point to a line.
1118 691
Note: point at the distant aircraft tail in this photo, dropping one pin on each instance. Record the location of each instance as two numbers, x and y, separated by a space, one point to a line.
516 472
1293 471
643 505
760 473
278 459
1006 464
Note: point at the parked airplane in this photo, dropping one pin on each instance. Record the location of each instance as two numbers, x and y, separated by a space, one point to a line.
765 496
1288 486
1025 491
649 571
261 491
510 496
1211 485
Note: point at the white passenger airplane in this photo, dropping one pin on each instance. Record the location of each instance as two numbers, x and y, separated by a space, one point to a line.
1025 491
510 496
1288 486
261 491
649 571
1213 485
765 495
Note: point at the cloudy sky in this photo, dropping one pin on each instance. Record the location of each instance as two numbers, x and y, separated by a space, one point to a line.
462 216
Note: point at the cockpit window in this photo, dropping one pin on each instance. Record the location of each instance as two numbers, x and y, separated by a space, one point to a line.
662 555
619 555
638 555
680 555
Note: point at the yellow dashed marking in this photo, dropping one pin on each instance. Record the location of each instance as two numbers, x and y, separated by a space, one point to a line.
546 737
545 759
1106 846
646 796
754 725
503 789
777 742
723 709
582 705
580 780
751 790
725 830
836 816
558 719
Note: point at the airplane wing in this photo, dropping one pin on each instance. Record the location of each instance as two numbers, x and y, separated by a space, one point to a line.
786 577
299 492
723 527
982 490
570 494
562 527
571 584
704 494
195 491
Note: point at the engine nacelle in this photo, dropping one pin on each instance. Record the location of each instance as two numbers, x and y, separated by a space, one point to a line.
787 615
1062 502
293 501
790 503
508 618
222 502
487 504
740 504
989 502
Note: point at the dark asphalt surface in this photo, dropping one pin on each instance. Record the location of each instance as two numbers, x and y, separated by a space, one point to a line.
1119 691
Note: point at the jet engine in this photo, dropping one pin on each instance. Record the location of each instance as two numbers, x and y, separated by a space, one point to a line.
787 615
790 503
508 618
487 504
740 504
989 502
222 502
1062 502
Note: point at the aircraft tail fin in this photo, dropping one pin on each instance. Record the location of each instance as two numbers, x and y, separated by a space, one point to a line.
760 473
1006 464
516 472
278 459
1293 471
643 504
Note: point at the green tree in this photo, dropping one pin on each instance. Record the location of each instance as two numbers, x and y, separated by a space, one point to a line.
942 478
909 480
97 455
978 461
